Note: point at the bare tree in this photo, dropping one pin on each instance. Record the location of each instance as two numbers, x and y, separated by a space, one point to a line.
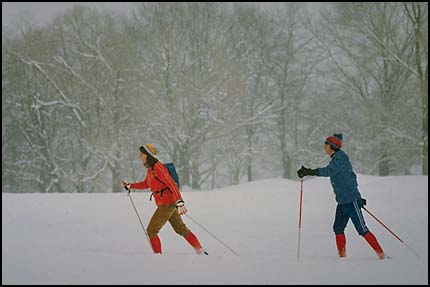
293 62
417 13
371 49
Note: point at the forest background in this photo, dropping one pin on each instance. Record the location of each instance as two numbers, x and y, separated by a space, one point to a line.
229 92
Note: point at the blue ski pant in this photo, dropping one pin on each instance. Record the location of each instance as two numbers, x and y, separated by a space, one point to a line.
346 211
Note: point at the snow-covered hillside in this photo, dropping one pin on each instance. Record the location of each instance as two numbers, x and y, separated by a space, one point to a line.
97 238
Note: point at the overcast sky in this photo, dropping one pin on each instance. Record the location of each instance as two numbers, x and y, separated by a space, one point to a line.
42 13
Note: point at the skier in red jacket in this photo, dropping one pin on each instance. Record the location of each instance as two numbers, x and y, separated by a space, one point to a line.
170 205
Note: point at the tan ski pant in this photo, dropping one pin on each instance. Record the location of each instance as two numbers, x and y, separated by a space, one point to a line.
165 213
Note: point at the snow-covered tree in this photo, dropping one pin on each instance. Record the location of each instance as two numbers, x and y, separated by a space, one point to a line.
371 51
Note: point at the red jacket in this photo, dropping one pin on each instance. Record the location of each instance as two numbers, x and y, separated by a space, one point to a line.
158 179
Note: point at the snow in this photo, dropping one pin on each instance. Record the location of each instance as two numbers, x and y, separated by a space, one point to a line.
97 238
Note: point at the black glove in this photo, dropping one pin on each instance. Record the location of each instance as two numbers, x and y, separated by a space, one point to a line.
363 202
303 171
126 185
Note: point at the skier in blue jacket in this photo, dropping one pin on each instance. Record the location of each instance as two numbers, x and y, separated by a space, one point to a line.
348 198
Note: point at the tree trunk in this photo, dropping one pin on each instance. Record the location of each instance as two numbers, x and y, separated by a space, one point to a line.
384 167
116 175
195 184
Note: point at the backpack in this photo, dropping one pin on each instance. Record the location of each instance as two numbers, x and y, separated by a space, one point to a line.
172 171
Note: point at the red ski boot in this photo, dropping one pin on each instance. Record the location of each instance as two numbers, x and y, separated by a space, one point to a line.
192 239
341 244
371 239
156 244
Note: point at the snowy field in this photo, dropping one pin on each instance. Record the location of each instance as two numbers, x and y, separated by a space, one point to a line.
97 238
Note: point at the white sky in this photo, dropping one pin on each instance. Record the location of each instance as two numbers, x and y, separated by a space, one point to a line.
42 13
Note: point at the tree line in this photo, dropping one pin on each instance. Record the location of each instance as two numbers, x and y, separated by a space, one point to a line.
229 92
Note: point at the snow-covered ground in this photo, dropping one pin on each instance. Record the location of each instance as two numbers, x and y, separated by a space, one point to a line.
97 238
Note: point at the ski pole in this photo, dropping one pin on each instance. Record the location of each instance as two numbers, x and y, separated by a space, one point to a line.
300 218
390 231
219 240
132 202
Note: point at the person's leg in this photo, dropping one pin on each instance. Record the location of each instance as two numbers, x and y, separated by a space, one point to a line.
155 244
373 242
180 228
341 244
340 222
358 220
158 219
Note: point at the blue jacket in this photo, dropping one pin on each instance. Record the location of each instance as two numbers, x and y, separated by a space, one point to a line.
342 177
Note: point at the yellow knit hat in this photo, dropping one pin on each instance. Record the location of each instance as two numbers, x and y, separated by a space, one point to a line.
149 149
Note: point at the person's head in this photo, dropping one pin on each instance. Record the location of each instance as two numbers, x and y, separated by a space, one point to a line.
333 143
148 155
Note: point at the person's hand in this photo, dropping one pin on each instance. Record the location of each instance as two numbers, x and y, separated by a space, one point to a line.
303 171
363 202
125 185
180 206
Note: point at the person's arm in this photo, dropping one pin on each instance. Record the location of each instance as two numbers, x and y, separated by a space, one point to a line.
334 167
323 171
140 185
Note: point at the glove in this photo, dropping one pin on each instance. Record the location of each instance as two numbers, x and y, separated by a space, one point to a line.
363 202
125 185
303 171
180 206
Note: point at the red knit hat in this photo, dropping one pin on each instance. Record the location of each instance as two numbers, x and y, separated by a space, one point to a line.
335 140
